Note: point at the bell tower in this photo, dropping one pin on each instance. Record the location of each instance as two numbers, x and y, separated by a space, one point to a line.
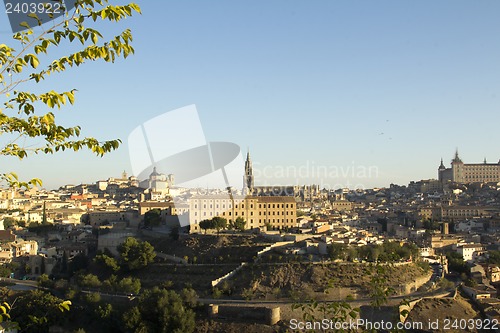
248 177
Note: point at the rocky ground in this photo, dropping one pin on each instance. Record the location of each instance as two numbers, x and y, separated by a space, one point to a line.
447 312
209 249
324 281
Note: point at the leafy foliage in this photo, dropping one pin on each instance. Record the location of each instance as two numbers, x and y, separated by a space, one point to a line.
337 312
4 311
36 311
456 262
386 252
207 224
337 251
90 281
239 224
29 131
106 263
136 254
494 257
78 263
160 310
127 285
152 218
379 290
219 223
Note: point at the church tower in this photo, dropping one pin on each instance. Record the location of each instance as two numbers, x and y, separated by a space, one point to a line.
248 177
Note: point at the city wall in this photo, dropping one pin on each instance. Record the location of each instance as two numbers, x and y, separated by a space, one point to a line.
243 264
405 309
254 314
413 286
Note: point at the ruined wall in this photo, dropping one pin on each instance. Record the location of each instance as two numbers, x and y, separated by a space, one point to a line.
412 286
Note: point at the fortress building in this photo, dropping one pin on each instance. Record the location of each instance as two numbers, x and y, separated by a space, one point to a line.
463 173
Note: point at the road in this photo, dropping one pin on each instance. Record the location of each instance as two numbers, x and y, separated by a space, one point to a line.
392 300
20 284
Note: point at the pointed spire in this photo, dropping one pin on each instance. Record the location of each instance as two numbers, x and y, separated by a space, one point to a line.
457 158
485 160
248 178
441 166
248 162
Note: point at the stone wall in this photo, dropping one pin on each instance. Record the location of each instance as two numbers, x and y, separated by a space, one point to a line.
254 314
404 309
413 286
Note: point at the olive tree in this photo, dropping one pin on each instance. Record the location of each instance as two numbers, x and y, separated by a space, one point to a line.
27 119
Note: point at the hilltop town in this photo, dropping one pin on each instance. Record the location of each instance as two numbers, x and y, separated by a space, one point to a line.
257 257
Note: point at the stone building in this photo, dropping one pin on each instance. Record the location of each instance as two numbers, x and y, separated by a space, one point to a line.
461 172
277 211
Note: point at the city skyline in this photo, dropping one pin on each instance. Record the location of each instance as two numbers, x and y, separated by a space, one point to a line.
340 85
326 177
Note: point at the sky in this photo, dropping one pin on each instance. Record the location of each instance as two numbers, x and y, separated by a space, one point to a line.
336 93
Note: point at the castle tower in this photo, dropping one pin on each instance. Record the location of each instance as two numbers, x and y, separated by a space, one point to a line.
441 167
457 167
441 170
248 177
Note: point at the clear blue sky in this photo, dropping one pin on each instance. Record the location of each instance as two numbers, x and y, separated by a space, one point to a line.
392 85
